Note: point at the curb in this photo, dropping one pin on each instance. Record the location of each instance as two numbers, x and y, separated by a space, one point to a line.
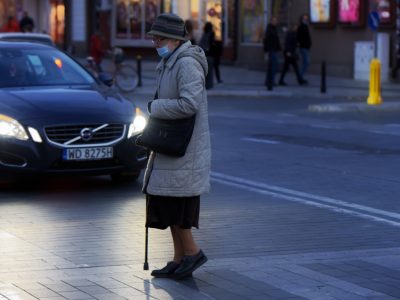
353 107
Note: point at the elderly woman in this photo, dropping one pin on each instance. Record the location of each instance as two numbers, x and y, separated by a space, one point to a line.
174 184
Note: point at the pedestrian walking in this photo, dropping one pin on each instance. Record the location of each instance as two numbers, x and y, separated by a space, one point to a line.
305 43
272 47
291 56
11 25
26 24
173 185
217 54
96 49
207 43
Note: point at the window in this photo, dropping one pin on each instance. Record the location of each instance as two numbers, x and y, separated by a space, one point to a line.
133 18
253 17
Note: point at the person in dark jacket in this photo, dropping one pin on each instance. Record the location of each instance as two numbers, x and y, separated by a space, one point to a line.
272 46
304 41
207 43
26 24
290 54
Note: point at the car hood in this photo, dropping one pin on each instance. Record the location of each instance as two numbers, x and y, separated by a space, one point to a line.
58 105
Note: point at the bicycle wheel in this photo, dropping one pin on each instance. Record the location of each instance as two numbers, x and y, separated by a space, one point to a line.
126 78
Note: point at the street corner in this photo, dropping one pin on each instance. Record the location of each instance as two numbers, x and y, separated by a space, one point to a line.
353 107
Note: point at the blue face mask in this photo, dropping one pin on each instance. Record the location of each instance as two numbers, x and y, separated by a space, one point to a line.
163 51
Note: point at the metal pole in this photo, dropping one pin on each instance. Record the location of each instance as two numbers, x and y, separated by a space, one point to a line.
146 243
323 77
139 69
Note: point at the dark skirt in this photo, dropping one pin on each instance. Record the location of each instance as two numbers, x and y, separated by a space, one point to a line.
163 212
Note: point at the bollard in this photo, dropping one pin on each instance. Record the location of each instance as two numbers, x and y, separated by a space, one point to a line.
139 69
374 97
323 77
270 82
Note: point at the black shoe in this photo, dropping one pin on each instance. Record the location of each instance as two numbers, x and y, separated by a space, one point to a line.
303 82
167 271
189 264
282 83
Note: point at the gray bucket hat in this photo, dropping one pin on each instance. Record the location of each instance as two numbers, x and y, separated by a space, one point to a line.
169 26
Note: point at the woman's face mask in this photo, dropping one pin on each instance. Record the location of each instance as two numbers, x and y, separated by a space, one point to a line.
163 51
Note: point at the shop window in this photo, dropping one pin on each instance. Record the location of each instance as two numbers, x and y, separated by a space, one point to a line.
135 17
10 8
213 13
253 15
57 21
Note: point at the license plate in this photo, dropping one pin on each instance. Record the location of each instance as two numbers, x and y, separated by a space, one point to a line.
92 153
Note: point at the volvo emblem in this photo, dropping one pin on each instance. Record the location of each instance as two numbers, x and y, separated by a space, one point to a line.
86 134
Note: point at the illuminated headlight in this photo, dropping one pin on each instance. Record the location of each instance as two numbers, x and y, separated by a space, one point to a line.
10 127
138 124
35 135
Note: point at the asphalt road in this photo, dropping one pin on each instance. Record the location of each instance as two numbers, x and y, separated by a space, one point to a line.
285 181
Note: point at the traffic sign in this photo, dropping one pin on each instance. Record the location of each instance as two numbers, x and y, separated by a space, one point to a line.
373 20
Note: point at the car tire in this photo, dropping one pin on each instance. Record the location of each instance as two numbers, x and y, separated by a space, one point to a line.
125 177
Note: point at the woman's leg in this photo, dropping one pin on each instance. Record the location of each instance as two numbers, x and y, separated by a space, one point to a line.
178 245
187 241
194 257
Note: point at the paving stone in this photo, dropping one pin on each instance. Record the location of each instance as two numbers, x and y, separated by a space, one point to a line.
75 295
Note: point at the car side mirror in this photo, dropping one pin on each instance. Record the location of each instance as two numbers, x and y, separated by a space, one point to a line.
106 78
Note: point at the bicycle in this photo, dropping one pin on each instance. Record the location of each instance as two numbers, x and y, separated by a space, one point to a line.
124 75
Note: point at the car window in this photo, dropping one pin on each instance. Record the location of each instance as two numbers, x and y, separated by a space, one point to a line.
40 67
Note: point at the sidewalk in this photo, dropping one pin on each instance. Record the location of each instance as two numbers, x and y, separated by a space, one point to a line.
242 82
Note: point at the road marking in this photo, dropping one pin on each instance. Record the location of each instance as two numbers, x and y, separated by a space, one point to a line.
323 126
263 141
340 206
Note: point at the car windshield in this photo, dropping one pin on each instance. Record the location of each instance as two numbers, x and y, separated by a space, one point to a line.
40 67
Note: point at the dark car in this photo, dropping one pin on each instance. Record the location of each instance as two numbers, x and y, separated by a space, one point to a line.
27 37
56 118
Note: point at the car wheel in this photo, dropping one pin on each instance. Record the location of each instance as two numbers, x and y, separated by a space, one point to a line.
124 177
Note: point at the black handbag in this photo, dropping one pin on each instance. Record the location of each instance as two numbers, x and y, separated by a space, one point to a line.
169 137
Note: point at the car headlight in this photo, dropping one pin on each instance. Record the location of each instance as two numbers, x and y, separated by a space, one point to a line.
138 124
10 127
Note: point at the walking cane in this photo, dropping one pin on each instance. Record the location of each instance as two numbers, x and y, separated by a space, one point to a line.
146 263
146 243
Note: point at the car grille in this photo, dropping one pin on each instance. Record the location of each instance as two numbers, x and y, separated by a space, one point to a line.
71 135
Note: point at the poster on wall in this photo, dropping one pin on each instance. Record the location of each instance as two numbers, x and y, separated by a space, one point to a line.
386 10
351 12
322 13
252 16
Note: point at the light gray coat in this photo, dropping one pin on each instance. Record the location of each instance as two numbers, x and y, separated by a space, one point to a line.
181 94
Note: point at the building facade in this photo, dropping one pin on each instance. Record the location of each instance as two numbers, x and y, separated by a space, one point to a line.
50 16
337 26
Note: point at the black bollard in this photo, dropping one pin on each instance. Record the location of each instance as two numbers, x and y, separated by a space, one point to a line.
139 69
270 82
323 77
